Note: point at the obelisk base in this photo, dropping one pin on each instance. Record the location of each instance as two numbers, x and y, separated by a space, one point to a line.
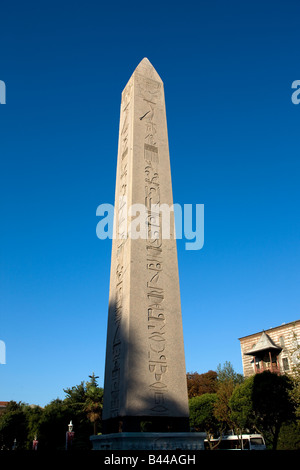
149 441
145 424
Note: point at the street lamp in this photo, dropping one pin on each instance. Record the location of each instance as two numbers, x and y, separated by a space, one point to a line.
35 443
69 436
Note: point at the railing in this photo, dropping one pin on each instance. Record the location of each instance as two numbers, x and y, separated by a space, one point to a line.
270 367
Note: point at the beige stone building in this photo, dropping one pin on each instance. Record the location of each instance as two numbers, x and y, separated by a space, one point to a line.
276 349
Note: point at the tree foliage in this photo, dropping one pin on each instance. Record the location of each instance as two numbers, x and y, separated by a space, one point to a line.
94 402
198 384
241 407
13 425
227 374
219 401
82 404
272 405
263 404
227 381
222 408
266 403
202 416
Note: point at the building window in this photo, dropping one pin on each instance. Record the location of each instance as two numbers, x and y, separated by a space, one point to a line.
285 363
281 341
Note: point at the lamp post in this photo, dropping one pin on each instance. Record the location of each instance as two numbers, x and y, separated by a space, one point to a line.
69 436
35 443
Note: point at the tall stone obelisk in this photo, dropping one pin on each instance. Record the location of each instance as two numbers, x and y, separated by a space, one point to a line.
145 375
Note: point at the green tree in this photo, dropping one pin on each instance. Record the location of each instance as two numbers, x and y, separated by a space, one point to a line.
86 399
202 414
226 373
241 406
53 425
76 395
295 389
289 436
228 379
33 418
272 404
94 402
82 405
222 410
13 426
263 403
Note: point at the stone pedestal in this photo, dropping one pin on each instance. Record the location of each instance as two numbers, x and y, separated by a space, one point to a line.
149 441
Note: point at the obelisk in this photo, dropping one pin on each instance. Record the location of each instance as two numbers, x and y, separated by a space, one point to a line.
145 375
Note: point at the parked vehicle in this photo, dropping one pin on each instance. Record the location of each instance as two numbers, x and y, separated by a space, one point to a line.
235 442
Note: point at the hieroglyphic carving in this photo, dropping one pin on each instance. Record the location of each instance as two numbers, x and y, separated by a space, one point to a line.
157 358
121 237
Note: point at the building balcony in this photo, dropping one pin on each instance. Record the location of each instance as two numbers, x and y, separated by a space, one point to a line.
274 368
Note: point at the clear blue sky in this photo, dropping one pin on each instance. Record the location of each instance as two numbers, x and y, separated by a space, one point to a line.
234 146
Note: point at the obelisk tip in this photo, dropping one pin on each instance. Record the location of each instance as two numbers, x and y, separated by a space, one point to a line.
146 68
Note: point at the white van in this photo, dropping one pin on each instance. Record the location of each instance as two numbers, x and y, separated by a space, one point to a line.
235 442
